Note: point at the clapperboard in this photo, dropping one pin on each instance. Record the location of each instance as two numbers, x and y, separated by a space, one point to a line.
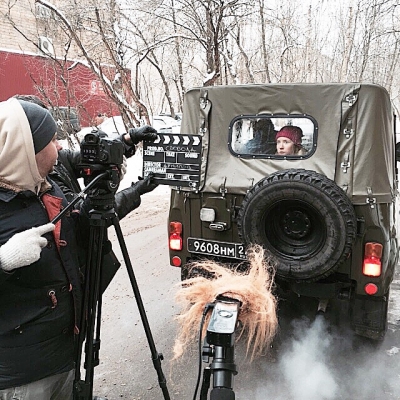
174 159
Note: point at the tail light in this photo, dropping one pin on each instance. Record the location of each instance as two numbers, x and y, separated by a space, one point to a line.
372 265
371 289
175 236
176 261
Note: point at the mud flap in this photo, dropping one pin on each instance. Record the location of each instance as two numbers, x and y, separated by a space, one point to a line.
369 316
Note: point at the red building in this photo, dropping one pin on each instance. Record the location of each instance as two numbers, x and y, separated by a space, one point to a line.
63 83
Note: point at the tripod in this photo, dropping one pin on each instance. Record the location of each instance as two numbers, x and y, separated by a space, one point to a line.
101 217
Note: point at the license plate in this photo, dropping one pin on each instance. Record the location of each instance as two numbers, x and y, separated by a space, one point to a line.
214 248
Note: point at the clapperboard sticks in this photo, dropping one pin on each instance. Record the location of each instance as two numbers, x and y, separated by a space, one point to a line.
184 140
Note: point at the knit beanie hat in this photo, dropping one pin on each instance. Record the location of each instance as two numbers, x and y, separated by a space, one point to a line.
294 133
42 124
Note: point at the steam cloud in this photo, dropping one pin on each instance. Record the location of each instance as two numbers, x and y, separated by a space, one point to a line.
319 363
305 365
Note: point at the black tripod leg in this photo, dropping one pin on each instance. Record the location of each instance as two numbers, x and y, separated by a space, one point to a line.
156 357
91 310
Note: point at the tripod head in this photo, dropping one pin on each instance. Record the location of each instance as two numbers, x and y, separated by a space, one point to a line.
101 155
108 180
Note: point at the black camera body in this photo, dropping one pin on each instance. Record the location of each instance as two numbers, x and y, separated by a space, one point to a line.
97 148
101 156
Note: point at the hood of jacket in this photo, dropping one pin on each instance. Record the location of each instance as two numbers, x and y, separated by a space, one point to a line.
18 168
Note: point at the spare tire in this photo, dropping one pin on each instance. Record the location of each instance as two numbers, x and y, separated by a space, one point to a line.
303 219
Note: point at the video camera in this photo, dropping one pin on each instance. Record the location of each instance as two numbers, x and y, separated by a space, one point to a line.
101 155
97 148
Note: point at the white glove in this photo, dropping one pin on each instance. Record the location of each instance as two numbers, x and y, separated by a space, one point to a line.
24 248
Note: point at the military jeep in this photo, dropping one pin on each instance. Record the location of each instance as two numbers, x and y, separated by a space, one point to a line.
326 216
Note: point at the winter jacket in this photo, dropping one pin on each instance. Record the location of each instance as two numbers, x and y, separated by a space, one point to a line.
39 303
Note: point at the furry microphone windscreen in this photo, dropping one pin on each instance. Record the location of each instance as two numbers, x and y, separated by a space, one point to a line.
253 288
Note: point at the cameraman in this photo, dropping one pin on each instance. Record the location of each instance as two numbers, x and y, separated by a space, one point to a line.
40 278
66 172
40 286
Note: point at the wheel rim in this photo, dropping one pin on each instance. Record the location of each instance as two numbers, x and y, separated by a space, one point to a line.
294 229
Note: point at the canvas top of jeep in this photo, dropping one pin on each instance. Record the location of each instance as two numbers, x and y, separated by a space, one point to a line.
306 170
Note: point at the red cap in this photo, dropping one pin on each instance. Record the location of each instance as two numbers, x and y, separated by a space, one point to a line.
294 133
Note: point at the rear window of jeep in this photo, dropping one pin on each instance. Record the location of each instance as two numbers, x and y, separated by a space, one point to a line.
273 136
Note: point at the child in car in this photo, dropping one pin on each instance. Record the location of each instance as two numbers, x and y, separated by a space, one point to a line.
288 141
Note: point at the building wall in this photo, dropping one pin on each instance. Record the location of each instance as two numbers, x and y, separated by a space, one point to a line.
34 22
25 69
23 15
38 75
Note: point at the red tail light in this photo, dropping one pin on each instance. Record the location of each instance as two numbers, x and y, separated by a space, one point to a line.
372 265
176 261
371 289
175 238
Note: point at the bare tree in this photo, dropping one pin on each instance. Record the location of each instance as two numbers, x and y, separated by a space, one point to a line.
171 45
267 77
